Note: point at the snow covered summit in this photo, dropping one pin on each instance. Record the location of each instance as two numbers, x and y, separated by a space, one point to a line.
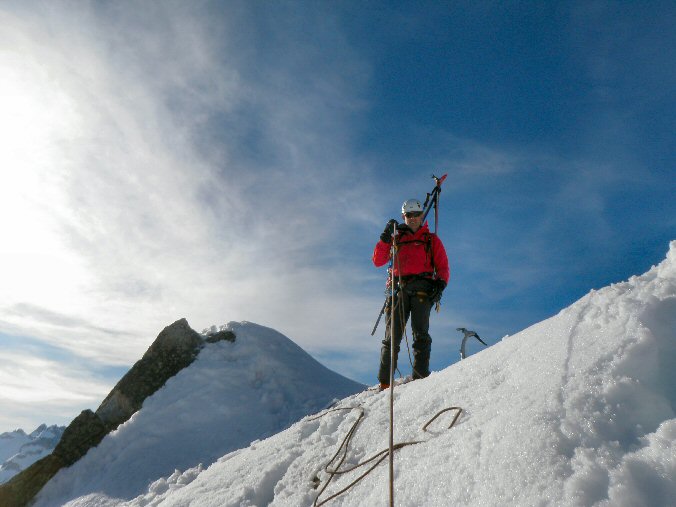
233 393
578 410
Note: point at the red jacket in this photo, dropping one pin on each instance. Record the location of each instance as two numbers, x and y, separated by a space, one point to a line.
419 252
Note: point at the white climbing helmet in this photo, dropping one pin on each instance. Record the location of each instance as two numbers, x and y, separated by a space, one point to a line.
411 205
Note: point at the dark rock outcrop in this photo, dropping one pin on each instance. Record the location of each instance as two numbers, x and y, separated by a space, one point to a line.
224 335
23 487
83 433
174 348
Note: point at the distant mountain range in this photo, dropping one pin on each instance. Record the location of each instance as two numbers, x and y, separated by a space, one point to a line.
19 450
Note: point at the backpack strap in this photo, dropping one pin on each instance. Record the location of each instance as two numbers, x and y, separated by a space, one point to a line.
427 240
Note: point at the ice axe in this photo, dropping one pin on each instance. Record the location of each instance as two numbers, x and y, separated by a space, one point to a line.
468 334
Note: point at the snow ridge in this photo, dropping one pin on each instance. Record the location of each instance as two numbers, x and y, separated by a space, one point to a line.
577 410
233 393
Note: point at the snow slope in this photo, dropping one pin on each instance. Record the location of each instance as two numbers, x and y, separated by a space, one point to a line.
577 410
232 394
18 450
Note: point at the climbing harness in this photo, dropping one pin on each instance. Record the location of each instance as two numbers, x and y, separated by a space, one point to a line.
402 320
333 467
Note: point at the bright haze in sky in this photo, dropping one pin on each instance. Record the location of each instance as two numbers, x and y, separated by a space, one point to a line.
226 161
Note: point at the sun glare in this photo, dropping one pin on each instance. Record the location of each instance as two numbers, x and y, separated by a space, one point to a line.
36 121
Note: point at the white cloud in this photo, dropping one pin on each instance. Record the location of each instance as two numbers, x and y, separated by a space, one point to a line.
181 172
35 389
30 379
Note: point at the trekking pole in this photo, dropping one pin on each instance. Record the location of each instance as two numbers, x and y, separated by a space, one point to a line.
433 200
388 299
392 347
380 315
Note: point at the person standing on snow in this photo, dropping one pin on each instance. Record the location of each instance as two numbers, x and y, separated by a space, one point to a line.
421 273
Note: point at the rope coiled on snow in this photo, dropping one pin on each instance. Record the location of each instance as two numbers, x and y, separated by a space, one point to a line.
379 457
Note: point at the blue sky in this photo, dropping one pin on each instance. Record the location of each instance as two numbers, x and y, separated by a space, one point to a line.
229 161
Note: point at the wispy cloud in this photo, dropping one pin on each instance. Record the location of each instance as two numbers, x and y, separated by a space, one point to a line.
194 175
50 318
206 160
40 381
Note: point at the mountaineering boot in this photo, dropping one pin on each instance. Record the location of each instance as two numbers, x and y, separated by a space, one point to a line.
384 370
421 356
384 386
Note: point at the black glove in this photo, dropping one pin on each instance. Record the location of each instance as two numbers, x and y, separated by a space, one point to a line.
438 287
386 236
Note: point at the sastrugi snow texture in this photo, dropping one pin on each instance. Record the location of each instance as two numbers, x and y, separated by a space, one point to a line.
578 410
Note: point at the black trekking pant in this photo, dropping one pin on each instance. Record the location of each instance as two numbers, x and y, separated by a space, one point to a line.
411 300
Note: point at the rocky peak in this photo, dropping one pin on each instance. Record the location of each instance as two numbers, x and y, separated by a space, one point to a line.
36 432
174 349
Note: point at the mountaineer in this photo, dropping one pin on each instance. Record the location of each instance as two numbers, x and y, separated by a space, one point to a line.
421 272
